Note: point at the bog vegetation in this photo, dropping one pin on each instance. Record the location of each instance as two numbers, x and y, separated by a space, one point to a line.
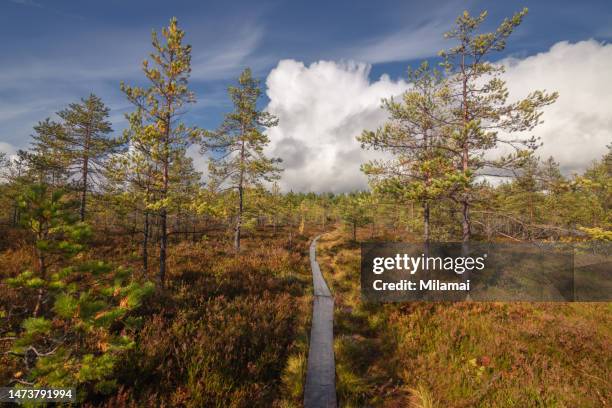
126 274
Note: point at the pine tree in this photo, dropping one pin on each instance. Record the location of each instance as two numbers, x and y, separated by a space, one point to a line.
238 160
355 212
483 118
524 196
187 182
417 136
47 159
275 206
129 183
17 176
156 131
595 190
86 143
49 217
81 338
551 178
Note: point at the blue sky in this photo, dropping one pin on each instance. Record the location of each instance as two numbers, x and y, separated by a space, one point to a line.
54 52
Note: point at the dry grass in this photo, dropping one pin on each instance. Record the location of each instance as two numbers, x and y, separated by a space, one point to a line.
464 354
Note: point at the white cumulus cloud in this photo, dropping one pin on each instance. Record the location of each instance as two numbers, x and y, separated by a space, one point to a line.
7 148
322 108
578 126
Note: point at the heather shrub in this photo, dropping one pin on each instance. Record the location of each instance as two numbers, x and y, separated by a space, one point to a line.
229 353
239 351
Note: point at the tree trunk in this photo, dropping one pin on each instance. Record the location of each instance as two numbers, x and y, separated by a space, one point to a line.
193 229
465 222
145 244
240 196
355 231
465 211
238 220
163 245
84 190
39 299
466 233
42 271
15 214
163 242
426 221
85 172
409 225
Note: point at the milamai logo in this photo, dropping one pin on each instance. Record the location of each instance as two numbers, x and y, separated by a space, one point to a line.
430 284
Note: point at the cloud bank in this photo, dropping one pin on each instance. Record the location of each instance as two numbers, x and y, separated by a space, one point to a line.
578 126
324 106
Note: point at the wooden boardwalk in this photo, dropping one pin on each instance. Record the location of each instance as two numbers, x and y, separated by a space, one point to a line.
320 389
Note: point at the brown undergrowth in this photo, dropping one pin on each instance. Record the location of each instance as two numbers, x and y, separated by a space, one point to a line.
228 331
469 354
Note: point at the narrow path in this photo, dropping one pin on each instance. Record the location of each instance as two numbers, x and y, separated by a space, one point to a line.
320 389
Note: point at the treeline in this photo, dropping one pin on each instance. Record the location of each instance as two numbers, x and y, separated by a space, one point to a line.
538 204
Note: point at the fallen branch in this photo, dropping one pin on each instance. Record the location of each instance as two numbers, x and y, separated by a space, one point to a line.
17 380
